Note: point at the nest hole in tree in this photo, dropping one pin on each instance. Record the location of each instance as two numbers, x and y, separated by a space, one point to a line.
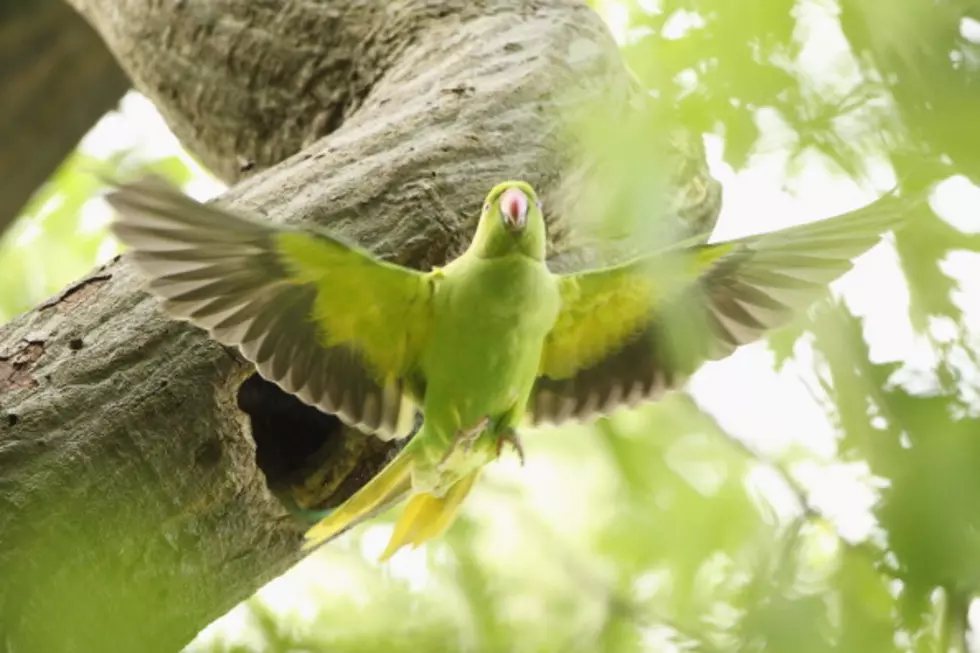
310 459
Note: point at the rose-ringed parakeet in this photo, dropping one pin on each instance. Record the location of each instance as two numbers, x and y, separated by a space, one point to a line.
489 340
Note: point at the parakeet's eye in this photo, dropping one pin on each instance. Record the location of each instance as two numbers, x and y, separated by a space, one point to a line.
513 208
486 207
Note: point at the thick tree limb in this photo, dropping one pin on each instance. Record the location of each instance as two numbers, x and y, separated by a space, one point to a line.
56 79
132 510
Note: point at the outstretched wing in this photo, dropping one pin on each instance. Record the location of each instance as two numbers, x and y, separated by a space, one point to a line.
328 322
629 333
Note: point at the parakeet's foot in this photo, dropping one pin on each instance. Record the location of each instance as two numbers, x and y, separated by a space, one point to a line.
466 437
510 437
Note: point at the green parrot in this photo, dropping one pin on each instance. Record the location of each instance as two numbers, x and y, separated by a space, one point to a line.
489 341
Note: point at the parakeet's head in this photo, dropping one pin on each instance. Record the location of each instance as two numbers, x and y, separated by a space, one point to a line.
511 222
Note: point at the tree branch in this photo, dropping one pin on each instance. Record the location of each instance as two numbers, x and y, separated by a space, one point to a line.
56 79
133 509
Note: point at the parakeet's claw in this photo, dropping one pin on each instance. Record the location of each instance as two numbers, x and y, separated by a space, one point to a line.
510 437
466 437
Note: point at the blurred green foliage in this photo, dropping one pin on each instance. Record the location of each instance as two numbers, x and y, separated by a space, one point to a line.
62 231
657 530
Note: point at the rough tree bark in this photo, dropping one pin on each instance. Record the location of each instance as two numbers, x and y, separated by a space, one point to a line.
56 79
135 502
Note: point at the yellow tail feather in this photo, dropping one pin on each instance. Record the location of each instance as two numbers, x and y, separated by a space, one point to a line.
427 516
388 484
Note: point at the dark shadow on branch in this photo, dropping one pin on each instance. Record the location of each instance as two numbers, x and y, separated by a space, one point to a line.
57 79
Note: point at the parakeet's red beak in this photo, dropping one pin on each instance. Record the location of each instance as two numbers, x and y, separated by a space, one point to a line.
513 207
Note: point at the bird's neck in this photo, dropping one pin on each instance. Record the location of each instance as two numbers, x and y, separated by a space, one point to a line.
499 244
